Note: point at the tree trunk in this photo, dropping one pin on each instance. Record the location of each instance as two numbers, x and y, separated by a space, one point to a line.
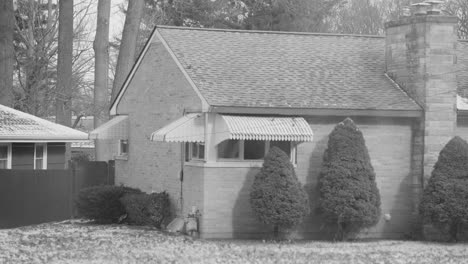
6 52
64 63
101 72
63 114
127 49
276 232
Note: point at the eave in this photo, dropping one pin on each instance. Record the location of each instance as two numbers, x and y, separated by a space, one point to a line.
316 111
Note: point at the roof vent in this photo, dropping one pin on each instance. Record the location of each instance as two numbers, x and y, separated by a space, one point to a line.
421 9
434 9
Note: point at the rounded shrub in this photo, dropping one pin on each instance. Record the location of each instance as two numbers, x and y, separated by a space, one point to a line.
102 203
444 203
146 209
277 198
349 199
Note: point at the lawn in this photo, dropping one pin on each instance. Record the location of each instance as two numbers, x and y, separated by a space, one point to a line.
68 242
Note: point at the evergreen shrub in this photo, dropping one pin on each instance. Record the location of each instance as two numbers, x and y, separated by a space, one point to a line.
102 203
349 199
277 197
444 203
146 209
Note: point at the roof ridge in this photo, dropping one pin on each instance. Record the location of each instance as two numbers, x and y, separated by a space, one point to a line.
270 32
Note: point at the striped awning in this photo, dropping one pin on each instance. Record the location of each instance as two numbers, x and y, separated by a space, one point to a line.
268 128
189 128
117 127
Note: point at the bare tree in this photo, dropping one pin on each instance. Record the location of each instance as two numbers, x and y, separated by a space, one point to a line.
101 72
35 69
128 44
64 63
35 51
459 8
6 52
359 17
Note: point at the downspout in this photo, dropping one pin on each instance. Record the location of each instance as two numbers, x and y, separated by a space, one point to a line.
181 175
181 178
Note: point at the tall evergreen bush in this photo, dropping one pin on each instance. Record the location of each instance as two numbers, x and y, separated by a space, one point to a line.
444 203
277 198
349 199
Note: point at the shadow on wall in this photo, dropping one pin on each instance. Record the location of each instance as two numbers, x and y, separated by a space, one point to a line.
313 226
398 203
244 223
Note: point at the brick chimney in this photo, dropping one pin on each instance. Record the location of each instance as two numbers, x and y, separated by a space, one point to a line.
420 57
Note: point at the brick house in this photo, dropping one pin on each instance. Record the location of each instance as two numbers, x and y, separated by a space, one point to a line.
32 143
201 106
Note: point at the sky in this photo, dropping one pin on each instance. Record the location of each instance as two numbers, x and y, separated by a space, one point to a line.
117 19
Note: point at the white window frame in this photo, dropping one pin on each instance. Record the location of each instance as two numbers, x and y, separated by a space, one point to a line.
9 156
292 154
190 152
120 153
44 155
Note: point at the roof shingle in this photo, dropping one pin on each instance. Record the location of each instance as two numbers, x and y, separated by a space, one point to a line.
290 70
16 125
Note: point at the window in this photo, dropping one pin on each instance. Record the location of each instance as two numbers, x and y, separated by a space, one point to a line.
283 145
252 149
5 156
40 156
194 151
229 149
123 147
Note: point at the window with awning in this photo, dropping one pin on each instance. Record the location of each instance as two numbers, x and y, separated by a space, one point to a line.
191 128
241 138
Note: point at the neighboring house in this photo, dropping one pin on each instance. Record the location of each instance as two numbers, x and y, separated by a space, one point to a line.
30 142
202 106
81 149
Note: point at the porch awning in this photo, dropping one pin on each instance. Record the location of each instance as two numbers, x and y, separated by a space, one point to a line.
189 128
268 128
117 127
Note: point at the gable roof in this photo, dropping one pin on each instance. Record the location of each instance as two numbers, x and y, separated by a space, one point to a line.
237 68
17 126
292 70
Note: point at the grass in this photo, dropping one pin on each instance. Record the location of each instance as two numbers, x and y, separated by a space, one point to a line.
71 242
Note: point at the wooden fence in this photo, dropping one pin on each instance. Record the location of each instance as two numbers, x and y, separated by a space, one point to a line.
37 196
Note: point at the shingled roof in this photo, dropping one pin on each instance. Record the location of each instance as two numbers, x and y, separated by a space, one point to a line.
19 126
290 70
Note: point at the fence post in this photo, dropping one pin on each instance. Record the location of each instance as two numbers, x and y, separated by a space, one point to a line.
111 172
72 173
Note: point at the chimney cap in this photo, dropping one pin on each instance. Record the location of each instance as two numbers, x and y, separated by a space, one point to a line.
421 4
434 9
434 2
421 8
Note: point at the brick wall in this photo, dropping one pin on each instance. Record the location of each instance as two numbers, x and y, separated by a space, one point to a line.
420 56
227 211
156 96
107 145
